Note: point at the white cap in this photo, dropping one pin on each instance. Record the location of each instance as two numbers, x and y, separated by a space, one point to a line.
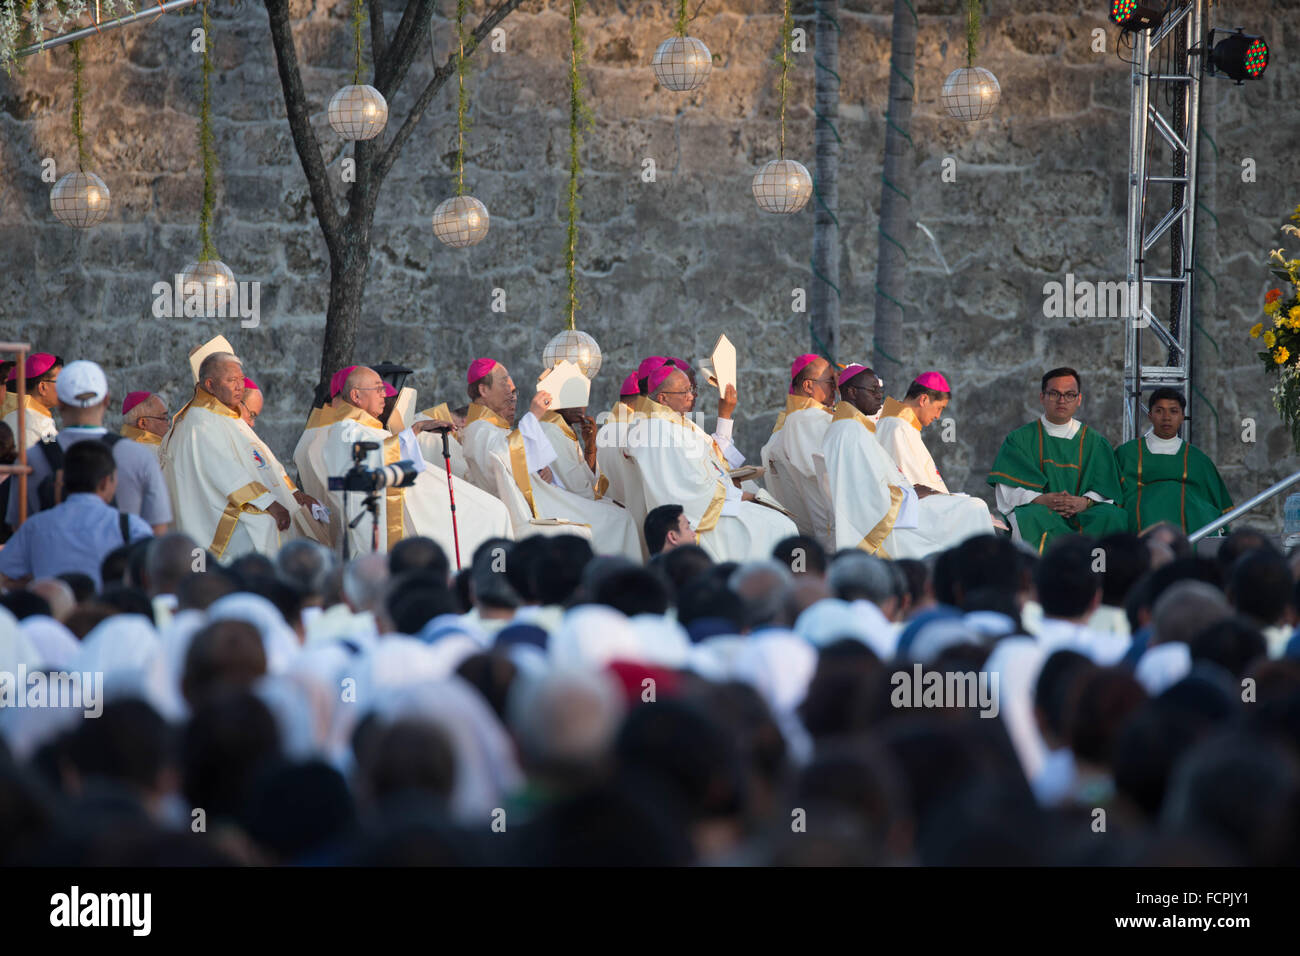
81 384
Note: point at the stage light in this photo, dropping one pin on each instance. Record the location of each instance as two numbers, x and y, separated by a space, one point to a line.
1238 56
1132 15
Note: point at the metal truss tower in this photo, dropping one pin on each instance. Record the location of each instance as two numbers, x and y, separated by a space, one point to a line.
1163 133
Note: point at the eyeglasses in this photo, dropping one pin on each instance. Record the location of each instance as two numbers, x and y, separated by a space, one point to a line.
1054 395
367 388
689 391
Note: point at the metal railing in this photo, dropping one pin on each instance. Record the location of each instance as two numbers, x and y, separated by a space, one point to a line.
1268 493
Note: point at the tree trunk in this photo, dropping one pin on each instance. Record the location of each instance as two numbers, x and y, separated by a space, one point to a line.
896 222
825 322
347 285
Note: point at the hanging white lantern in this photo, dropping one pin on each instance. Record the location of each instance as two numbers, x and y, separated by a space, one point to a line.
212 279
682 63
970 93
782 186
358 112
460 221
578 347
80 200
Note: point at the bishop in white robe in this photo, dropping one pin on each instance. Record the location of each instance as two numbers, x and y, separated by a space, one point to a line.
681 464
876 508
791 468
42 372
219 488
515 465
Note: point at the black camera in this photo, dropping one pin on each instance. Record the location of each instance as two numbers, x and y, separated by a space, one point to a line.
359 478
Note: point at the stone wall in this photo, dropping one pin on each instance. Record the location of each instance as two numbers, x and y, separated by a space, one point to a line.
664 266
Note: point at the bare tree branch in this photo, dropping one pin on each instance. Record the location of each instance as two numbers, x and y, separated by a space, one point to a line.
304 137
378 42
440 76
391 70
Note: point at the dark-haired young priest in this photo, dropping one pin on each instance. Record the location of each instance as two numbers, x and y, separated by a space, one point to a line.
1165 478
1055 475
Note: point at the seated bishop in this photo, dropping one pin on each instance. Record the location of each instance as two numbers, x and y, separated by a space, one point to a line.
219 483
422 509
514 463
876 508
790 456
1166 478
680 464
1055 475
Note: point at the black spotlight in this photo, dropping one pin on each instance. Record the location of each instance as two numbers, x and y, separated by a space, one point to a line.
1131 15
1238 56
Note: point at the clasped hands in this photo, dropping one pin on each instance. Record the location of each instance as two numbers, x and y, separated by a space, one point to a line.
1064 504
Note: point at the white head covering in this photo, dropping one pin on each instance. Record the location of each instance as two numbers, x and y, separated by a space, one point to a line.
831 619
15 648
1163 666
486 770
779 664
713 657
592 635
449 625
1017 662
123 642
937 636
278 638
292 709
53 643
663 641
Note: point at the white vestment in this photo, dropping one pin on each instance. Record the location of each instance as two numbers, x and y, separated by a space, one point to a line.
302 525
899 433
617 470
431 444
38 423
876 508
680 464
507 461
423 509
307 458
218 487
570 465
790 468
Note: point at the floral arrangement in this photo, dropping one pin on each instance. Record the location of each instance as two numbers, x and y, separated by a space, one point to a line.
1280 333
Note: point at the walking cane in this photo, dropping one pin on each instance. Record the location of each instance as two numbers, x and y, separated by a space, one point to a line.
446 458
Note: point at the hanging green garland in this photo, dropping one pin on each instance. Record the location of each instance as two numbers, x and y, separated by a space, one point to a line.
972 29
681 18
358 16
787 38
579 116
78 92
207 250
462 102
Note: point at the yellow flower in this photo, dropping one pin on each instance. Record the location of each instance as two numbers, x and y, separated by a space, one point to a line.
1271 307
1294 313
1270 339
1281 356
1256 329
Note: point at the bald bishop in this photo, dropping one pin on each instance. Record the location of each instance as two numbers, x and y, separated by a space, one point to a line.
219 482
515 465
790 457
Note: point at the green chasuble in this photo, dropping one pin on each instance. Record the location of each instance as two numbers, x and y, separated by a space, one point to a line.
1031 458
1183 488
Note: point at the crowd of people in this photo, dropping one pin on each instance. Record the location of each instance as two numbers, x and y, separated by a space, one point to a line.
626 650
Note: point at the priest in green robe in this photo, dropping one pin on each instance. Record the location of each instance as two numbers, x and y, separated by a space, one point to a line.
1056 475
1165 478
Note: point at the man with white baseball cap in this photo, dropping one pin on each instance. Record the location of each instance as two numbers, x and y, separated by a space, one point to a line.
82 391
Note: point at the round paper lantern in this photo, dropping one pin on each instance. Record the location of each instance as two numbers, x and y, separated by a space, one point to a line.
578 347
210 278
358 112
80 200
460 221
970 93
682 63
782 186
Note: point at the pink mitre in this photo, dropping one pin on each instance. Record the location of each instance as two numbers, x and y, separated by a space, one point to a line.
133 399
648 365
799 364
851 371
478 368
630 387
338 378
933 380
250 385
659 376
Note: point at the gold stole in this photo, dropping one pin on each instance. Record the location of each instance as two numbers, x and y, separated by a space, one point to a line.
845 412
896 409
33 406
709 520
555 418
795 403
139 434
392 449
515 441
